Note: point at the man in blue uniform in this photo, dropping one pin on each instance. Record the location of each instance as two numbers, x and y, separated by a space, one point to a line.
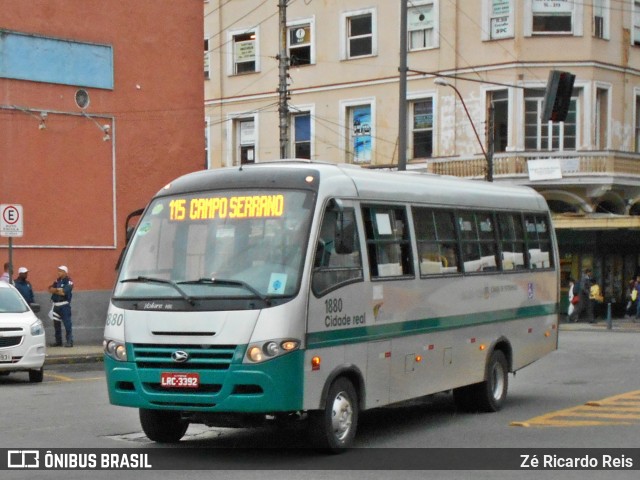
23 285
60 291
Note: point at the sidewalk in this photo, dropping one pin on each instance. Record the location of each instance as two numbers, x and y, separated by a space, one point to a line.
617 325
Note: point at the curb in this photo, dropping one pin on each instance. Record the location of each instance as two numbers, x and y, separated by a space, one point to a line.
70 359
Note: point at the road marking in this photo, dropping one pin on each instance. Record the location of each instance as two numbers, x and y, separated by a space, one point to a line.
621 409
64 378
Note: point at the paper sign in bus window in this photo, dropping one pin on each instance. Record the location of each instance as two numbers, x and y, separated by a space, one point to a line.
277 283
383 222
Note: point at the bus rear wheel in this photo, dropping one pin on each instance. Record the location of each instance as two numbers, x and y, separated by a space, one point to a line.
489 395
334 428
163 426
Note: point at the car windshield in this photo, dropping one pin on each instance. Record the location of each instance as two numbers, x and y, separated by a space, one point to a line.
223 244
11 302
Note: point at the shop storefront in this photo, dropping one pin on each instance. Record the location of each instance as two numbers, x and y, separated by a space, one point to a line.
610 246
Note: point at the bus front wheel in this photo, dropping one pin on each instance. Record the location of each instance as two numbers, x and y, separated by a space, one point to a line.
334 428
163 426
490 395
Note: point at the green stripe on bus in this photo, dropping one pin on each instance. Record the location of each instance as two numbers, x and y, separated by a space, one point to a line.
332 338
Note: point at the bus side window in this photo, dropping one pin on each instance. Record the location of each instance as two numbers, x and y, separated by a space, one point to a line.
388 242
331 268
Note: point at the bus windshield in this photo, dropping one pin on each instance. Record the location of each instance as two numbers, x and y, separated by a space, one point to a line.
222 244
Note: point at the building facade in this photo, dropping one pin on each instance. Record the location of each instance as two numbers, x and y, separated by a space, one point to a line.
101 105
492 59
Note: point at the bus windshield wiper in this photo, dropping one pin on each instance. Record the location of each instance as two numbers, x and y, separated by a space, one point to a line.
230 283
173 284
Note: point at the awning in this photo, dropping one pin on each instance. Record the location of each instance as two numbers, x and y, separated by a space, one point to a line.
595 222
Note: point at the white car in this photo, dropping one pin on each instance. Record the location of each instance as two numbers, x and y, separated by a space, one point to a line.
22 339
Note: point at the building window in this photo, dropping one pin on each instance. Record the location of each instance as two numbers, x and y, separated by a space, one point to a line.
245 138
360 126
637 123
548 135
499 20
636 23
360 34
244 53
207 59
422 128
499 100
601 19
601 118
299 43
421 25
302 135
552 17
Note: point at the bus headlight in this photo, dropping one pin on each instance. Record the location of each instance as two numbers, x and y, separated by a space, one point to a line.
260 352
115 350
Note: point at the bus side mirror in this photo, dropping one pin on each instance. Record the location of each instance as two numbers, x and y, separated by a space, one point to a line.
128 233
344 232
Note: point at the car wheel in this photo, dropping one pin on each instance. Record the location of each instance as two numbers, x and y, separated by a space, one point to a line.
36 376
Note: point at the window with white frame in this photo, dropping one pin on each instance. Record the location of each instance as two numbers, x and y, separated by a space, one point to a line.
498 101
244 53
359 123
601 19
245 140
301 135
553 17
422 24
360 35
207 60
550 136
300 44
422 128
635 40
637 125
499 19
207 121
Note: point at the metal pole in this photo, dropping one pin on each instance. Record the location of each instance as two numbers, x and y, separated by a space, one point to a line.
491 145
440 81
609 316
402 97
11 260
283 67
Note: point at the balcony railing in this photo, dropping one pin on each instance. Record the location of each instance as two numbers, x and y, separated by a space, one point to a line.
577 163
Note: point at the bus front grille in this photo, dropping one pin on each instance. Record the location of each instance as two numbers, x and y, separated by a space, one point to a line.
200 357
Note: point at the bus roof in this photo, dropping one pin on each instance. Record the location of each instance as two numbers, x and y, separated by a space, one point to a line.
344 180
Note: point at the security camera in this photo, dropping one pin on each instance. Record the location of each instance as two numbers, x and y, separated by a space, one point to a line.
106 128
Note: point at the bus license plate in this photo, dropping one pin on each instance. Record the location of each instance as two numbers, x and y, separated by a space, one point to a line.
179 380
5 357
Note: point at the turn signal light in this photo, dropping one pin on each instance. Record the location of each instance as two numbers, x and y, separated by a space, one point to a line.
315 363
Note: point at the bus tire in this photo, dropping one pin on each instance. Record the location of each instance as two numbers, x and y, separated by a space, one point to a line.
163 426
334 428
489 395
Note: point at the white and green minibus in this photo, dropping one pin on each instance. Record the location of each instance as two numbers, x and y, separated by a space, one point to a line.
316 291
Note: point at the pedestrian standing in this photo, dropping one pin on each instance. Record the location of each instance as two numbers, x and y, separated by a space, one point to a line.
61 292
6 276
585 304
23 285
572 307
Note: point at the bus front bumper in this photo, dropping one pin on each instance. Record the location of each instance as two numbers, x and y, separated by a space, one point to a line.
269 387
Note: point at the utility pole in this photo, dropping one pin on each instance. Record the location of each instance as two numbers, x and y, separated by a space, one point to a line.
283 68
402 96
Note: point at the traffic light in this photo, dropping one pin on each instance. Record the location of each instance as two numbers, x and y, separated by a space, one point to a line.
557 96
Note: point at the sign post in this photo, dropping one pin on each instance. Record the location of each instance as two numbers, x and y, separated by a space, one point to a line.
11 225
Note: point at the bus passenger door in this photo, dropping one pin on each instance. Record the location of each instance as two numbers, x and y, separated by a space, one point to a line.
378 373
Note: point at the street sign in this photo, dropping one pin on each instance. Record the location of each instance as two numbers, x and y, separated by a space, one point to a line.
11 220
